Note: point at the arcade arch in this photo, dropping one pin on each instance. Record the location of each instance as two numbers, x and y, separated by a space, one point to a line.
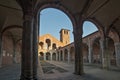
41 56
48 56
54 56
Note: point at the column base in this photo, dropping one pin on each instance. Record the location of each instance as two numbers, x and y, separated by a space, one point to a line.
26 78
78 73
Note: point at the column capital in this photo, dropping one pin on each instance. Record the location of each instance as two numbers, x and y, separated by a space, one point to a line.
28 6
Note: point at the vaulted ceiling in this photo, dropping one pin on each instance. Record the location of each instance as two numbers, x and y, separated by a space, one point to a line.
105 12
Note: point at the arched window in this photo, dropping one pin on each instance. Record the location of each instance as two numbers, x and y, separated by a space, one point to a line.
41 44
54 46
48 41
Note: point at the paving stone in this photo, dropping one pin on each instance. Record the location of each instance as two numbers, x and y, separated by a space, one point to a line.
12 72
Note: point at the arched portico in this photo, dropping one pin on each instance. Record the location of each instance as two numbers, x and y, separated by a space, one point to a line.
79 13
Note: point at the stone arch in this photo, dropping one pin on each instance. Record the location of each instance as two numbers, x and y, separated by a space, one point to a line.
7 48
48 56
41 55
13 33
85 52
66 55
112 34
72 53
40 6
10 27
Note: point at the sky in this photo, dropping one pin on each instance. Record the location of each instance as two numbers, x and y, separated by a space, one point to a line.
53 20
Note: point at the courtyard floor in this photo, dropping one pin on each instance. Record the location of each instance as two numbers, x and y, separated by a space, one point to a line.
53 70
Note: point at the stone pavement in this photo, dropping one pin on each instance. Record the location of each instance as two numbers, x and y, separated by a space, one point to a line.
91 73
11 72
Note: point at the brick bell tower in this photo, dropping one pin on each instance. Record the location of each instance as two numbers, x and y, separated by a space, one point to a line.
65 36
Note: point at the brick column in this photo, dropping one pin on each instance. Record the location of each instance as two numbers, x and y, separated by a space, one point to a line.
78 31
117 51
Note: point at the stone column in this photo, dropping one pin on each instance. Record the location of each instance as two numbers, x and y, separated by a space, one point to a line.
117 52
90 54
14 52
44 56
35 47
59 56
101 51
68 56
0 50
51 54
63 56
56 56
78 31
105 53
27 39
27 48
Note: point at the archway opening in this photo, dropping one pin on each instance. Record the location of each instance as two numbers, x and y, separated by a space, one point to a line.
89 28
55 31
11 46
54 56
41 56
48 56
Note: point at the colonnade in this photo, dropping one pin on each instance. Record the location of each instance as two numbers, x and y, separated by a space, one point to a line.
60 55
